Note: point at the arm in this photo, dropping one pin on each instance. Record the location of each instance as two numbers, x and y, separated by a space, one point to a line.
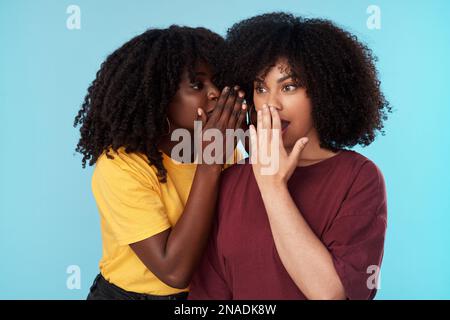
305 258
173 254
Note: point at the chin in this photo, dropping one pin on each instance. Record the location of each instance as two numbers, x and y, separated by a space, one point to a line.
287 145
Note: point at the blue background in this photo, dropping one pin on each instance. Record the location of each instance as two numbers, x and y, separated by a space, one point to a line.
48 217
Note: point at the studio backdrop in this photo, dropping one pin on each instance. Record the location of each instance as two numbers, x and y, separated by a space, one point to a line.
50 50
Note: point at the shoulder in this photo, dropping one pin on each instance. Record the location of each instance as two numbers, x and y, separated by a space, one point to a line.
120 166
363 170
367 187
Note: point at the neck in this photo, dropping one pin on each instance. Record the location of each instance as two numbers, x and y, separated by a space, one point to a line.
166 145
313 153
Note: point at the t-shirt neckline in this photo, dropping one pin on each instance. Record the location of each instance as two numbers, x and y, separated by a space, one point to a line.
323 162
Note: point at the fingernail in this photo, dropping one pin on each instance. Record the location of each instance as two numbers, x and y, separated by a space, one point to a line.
264 106
236 88
199 112
241 94
226 89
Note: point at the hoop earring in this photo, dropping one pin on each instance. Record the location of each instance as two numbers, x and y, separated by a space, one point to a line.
168 124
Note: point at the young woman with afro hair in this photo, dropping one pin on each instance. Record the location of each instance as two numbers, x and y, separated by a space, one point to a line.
315 227
155 213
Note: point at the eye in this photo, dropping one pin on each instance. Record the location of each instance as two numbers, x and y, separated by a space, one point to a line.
289 87
196 85
259 89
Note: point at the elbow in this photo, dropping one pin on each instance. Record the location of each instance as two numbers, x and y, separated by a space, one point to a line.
176 281
333 292
338 294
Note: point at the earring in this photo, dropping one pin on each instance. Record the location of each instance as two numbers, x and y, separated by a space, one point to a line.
249 116
168 124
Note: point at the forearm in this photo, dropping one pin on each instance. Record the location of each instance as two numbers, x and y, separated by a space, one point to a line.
304 256
187 239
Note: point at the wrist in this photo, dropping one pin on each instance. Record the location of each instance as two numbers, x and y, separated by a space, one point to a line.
274 186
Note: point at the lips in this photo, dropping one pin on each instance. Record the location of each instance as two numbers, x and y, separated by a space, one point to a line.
284 125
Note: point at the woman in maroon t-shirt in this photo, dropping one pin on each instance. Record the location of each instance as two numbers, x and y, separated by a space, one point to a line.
309 222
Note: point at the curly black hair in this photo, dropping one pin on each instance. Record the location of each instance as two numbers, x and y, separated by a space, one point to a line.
336 69
126 104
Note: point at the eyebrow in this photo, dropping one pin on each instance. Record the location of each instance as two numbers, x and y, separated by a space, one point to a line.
258 79
284 78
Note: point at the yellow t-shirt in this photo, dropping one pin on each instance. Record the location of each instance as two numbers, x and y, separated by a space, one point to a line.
133 206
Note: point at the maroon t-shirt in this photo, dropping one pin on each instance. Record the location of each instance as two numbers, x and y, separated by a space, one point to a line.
342 198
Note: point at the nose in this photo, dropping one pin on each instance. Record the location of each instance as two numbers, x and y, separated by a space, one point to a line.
213 96
272 101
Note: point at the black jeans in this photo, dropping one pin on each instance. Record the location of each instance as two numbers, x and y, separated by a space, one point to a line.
101 289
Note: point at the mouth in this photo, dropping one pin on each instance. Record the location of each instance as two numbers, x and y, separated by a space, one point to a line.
284 125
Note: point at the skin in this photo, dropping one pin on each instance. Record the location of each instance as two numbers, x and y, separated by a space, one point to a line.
304 256
292 103
173 254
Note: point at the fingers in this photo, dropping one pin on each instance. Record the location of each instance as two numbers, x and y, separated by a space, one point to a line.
275 135
266 117
242 115
237 108
253 145
220 104
294 156
227 113
264 126
276 121
201 116
229 107
258 122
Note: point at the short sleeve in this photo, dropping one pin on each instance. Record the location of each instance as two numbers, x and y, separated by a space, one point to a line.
356 237
128 199
209 282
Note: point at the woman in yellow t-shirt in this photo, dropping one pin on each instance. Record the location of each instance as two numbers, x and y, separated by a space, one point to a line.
155 213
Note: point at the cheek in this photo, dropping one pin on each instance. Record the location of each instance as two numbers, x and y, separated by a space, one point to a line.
258 101
183 110
299 110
